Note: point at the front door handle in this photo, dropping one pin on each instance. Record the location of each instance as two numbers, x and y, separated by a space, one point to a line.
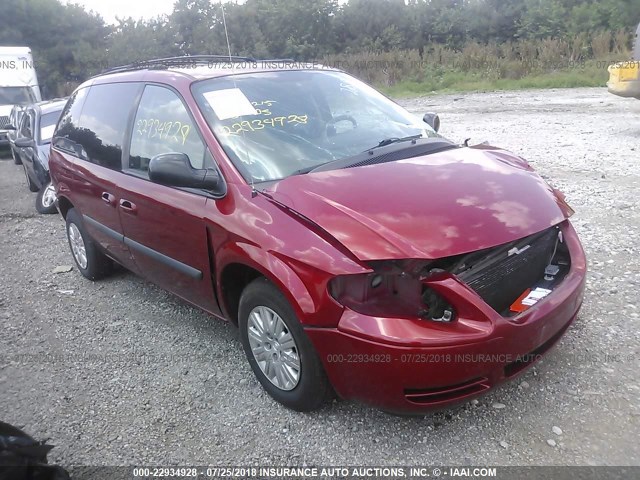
128 206
109 199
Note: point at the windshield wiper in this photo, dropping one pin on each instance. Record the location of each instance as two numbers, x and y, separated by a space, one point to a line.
389 141
304 171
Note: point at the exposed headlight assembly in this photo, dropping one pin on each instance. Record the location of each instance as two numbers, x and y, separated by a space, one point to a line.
394 289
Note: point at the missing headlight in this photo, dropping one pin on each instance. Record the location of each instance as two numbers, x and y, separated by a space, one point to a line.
392 289
437 308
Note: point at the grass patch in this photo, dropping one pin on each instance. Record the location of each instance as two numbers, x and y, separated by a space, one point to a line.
525 64
593 74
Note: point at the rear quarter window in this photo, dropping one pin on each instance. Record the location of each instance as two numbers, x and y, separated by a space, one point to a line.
66 136
104 120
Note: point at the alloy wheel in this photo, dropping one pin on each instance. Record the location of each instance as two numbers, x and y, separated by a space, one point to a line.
49 196
77 245
274 348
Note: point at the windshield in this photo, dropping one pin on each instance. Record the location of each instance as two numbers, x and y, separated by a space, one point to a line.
47 125
16 96
275 124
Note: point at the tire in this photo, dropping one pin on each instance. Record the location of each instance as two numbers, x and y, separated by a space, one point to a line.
310 388
90 261
46 200
32 186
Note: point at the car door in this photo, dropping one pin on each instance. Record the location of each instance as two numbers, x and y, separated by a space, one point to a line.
26 131
164 226
88 142
45 126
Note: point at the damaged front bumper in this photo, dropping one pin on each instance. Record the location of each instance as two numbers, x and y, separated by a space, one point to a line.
416 365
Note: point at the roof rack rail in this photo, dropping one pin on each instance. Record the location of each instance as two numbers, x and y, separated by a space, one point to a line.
265 60
168 62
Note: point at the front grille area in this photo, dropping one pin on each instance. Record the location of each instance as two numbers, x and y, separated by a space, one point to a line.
4 121
503 279
433 396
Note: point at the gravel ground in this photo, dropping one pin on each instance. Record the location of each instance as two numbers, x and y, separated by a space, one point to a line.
119 372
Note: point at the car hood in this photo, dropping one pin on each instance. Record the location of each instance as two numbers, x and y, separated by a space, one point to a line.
429 207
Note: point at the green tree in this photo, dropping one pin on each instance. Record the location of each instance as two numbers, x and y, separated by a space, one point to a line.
67 42
136 40
543 19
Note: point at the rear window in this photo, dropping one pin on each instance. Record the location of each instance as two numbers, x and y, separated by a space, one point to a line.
47 125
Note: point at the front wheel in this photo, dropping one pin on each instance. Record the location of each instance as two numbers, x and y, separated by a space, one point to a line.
46 199
279 352
91 262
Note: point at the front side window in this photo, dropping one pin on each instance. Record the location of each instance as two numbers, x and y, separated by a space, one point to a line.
103 122
163 125
274 124
16 116
26 125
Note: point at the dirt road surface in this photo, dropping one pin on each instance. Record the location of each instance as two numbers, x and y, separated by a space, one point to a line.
119 372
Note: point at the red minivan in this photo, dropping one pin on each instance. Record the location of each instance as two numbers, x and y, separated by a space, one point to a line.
358 251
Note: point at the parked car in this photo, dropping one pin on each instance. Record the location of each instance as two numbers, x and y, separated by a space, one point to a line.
32 146
15 116
355 248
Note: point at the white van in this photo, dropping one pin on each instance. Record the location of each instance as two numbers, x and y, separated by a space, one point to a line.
18 83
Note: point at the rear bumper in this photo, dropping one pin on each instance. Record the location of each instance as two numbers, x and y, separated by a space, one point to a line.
415 366
624 79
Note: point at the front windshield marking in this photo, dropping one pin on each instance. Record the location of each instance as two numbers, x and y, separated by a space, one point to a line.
229 103
294 121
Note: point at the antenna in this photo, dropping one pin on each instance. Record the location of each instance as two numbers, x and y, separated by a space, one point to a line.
226 33
233 70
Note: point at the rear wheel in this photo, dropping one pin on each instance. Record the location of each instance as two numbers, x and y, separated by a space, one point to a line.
30 183
46 199
91 262
279 351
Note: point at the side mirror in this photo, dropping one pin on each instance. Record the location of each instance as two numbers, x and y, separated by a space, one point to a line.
175 170
24 142
433 120
9 127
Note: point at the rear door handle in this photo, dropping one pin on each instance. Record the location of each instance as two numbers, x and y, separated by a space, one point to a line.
128 206
109 198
